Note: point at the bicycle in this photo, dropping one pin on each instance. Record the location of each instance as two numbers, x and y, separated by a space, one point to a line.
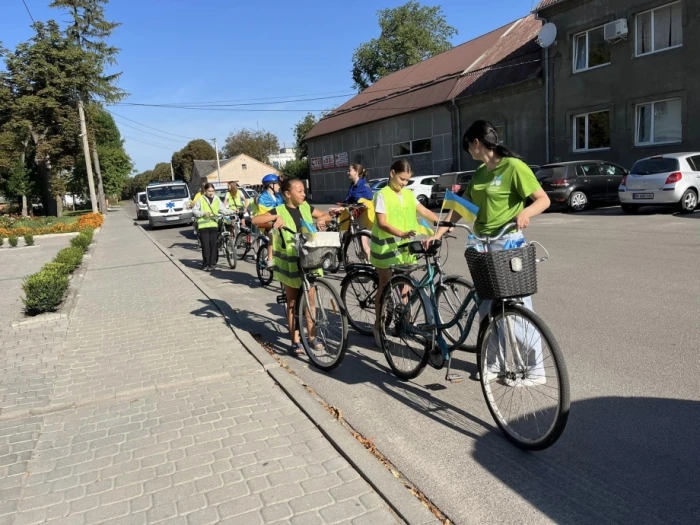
359 288
262 266
412 333
355 242
243 237
318 309
224 241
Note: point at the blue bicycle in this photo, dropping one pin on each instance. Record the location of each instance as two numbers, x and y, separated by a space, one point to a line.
521 367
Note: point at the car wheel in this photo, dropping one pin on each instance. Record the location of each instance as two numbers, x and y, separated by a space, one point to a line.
578 201
423 200
630 209
689 201
150 223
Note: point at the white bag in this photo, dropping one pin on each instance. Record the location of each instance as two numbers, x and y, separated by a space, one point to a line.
322 240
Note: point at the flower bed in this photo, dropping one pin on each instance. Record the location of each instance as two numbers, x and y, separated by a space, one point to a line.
18 227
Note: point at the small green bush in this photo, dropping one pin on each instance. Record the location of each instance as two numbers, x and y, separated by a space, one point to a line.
44 290
57 267
13 241
2 241
29 239
81 241
70 257
89 233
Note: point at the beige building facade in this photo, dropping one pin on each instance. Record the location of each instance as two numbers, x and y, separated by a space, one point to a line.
243 169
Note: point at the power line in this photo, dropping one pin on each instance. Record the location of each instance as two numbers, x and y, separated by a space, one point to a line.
149 127
149 144
210 104
28 11
149 133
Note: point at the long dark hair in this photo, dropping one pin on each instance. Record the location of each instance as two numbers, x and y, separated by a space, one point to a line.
361 171
488 136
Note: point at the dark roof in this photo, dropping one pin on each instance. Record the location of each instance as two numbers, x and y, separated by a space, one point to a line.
546 3
504 56
205 167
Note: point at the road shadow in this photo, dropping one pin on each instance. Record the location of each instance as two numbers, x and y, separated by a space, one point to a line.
620 460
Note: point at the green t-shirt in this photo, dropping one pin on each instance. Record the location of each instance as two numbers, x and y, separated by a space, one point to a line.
500 194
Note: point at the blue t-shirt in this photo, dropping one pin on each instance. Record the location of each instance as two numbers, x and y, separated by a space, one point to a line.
358 191
268 201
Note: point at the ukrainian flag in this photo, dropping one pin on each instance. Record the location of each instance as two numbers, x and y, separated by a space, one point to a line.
468 210
424 228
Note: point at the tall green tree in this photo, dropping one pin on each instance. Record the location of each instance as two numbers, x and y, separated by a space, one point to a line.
296 169
409 34
198 149
259 144
300 130
19 182
161 172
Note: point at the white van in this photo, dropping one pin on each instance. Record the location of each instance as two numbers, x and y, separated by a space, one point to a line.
168 203
141 206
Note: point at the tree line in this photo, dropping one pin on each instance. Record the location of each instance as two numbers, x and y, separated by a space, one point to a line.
45 81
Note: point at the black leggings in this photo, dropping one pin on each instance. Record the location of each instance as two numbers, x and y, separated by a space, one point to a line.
210 252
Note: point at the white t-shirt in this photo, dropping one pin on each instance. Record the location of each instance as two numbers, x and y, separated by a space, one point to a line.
380 205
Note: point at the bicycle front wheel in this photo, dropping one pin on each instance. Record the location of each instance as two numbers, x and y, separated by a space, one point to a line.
449 298
322 325
240 246
230 252
358 292
355 248
406 329
262 267
524 378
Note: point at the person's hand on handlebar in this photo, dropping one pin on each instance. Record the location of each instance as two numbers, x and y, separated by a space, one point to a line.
279 223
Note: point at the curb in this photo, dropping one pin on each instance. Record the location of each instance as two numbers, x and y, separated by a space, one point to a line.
408 508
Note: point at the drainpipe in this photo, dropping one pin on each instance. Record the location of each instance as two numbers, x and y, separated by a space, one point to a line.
546 95
459 135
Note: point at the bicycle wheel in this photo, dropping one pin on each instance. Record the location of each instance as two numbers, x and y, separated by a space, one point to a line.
358 292
240 246
449 298
524 378
354 249
262 267
404 317
322 325
230 252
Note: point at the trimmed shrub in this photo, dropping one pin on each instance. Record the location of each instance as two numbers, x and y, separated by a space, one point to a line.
44 290
81 241
29 239
70 257
2 241
57 267
13 241
89 233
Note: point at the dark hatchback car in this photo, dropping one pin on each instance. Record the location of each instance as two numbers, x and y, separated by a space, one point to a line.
578 184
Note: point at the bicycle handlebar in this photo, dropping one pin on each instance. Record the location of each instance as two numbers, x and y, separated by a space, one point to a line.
483 238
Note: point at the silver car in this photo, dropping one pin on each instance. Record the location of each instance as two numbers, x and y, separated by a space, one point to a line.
672 180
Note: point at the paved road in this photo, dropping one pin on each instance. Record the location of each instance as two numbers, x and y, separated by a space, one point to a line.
622 295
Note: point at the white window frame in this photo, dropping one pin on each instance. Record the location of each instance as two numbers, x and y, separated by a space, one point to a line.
410 142
574 131
653 123
653 31
588 50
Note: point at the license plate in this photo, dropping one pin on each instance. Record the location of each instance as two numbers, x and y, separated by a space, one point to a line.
642 195
174 218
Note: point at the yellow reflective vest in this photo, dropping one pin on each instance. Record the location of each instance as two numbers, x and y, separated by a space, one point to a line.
384 247
286 260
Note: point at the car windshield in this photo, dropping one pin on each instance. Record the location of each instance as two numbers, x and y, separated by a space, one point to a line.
654 166
168 193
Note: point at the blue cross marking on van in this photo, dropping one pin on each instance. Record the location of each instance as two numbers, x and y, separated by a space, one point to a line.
170 205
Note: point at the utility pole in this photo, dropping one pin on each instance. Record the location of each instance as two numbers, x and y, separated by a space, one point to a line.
100 187
218 166
86 151
172 173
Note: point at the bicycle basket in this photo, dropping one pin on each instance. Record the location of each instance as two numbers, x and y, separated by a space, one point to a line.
322 240
503 274
318 248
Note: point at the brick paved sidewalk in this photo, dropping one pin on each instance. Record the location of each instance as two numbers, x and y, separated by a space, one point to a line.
158 414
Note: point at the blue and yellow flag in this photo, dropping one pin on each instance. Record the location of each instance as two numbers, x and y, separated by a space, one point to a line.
424 228
468 210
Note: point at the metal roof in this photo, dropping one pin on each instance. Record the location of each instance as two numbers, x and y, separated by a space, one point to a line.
504 56
546 3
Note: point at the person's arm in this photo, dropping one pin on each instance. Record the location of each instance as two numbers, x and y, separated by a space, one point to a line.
426 213
267 218
197 211
527 185
321 216
223 209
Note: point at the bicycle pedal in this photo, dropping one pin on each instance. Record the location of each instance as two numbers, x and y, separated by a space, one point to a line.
281 299
454 378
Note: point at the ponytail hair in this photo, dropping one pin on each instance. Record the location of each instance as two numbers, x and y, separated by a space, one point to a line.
487 135
361 171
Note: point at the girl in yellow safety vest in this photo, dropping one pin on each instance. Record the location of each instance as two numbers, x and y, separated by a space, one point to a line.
293 214
235 198
395 209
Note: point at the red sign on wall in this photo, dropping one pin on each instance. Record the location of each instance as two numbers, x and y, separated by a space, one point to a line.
316 163
341 159
328 162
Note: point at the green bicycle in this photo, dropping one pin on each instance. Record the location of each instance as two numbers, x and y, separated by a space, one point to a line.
522 371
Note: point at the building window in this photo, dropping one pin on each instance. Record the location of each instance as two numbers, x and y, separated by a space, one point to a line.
501 132
592 131
413 147
244 166
660 29
659 122
591 50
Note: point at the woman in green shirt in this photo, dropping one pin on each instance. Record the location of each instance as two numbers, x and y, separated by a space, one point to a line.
500 188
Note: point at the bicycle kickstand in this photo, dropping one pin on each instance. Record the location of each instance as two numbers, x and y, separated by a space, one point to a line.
449 376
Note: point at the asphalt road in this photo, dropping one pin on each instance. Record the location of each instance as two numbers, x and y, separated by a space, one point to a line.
622 295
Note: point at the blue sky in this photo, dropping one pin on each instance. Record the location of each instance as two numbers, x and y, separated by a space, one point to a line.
175 51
